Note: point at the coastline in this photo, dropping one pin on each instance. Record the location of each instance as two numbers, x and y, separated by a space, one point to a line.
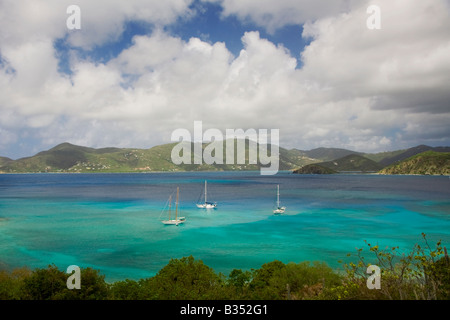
290 171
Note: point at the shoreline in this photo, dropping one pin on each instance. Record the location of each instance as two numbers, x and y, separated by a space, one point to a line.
290 171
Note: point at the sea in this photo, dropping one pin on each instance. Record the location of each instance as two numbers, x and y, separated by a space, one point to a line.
112 222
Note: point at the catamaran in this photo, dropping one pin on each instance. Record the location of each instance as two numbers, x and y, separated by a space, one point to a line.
279 209
206 204
177 220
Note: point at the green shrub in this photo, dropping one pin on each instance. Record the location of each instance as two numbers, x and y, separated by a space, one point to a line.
184 279
417 275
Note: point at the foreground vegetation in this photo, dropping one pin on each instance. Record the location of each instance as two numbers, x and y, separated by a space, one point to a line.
421 274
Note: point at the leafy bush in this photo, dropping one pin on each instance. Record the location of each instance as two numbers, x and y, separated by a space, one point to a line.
417 275
275 280
11 284
125 290
184 279
50 284
44 284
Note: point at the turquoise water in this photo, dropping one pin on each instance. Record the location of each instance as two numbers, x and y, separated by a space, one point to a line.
111 222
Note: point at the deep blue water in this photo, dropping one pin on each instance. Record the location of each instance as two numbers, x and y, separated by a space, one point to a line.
111 222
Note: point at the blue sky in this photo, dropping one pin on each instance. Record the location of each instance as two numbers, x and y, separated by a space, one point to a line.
211 26
140 69
208 25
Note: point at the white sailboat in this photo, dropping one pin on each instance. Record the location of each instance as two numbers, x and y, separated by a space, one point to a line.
279 209
206 204
177 220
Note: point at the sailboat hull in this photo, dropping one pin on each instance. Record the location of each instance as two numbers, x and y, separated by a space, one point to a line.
173 222
279 210
206 205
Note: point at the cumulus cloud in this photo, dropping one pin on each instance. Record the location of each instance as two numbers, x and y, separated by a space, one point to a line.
403 65
276 14
401 68
102 20
362 89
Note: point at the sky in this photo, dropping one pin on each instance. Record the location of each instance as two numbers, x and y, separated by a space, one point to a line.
137 70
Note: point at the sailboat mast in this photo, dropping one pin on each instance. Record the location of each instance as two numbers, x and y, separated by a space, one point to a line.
176 205
205 193
278 196
170 206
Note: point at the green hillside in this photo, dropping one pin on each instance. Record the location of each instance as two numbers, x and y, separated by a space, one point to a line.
382 157
397 157
350 163
67 157
4 160
70 158
426 163
314 169
328 154
354 163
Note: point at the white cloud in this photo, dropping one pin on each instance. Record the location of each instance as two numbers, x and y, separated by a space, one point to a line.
101 20
148 53
358 88
404 59
276 14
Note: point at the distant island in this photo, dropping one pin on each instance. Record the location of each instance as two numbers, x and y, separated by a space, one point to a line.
314 169
426 163
69 158
350 163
